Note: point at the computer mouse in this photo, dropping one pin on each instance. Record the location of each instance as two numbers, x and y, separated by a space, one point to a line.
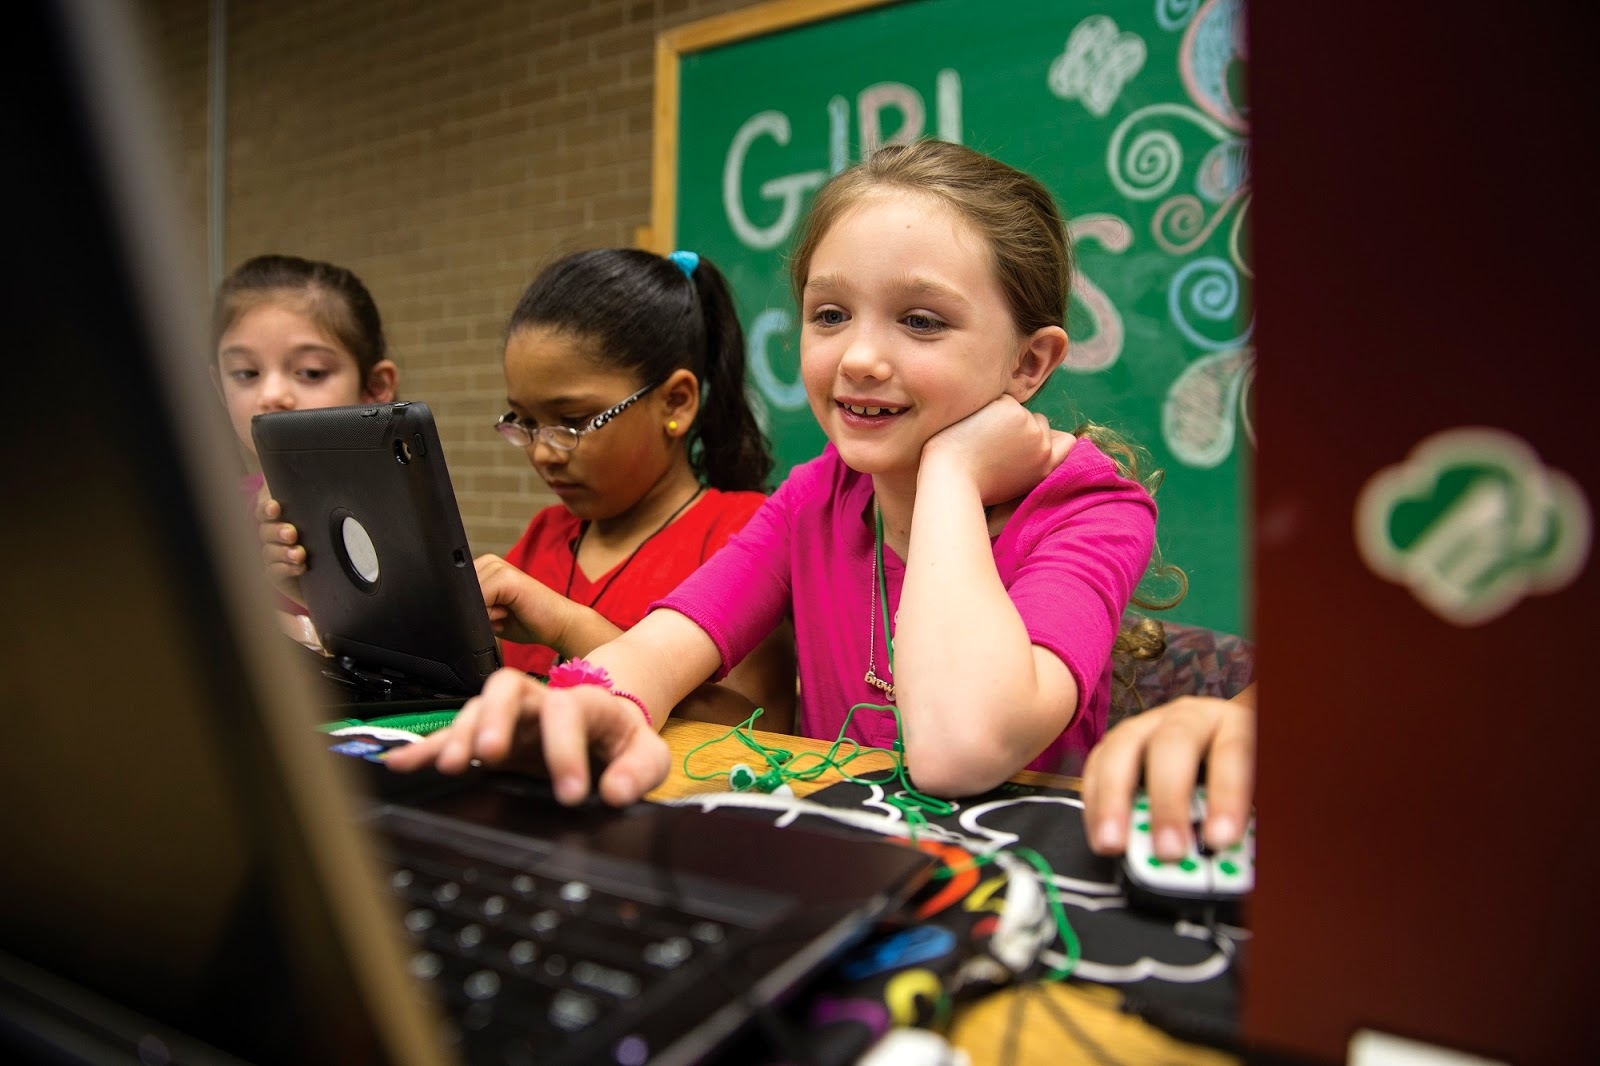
1203 884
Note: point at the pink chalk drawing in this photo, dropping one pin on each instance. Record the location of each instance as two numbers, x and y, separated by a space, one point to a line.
1103 347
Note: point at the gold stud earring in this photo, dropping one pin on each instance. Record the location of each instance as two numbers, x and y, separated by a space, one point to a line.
672 426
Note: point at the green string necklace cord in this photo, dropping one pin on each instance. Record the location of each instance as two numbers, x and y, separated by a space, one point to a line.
1071 948
783 766
883 589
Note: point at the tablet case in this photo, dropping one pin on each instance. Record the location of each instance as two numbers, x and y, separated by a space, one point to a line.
389 577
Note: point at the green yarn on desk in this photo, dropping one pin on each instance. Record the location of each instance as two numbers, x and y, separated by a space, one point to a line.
421 724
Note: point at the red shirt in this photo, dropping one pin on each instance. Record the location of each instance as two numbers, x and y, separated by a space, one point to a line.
654 570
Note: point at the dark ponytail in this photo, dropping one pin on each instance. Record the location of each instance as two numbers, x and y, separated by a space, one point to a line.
733 452
649 319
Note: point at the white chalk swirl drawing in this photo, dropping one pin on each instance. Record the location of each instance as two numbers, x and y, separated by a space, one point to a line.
1149 152
1145 157
1205 404
1098 61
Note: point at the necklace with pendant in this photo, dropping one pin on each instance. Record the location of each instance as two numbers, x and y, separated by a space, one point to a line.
584 528
880 601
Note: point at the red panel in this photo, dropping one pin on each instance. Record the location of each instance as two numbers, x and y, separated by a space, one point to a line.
1424 250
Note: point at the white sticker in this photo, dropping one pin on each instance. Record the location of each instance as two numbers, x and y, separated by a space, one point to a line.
358 546
1471 522
1371 1048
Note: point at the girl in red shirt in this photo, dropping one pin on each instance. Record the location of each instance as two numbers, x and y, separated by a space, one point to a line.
625 375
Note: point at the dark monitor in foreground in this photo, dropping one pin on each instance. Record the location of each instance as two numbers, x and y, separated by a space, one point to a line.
1426 582
163 886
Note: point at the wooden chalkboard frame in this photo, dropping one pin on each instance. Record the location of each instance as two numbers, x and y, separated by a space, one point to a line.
671 46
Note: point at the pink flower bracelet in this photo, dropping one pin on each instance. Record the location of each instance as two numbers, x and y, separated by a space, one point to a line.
575 672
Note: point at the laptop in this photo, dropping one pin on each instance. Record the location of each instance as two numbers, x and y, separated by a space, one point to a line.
190 875
389 578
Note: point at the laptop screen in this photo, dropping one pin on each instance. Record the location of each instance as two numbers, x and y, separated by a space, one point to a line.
153 729
182 862
1426 751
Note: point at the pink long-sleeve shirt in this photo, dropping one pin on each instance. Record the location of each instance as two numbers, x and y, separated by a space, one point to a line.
1070 558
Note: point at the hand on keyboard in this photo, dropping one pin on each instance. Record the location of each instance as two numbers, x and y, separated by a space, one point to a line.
517 723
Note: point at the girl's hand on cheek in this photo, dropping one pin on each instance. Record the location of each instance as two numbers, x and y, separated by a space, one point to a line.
1004 449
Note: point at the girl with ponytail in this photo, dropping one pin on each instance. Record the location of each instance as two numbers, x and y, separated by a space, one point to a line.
625 376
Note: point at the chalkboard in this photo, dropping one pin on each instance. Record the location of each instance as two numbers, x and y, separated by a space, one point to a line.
1133 114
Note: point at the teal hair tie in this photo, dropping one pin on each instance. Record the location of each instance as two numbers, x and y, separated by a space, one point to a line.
686 262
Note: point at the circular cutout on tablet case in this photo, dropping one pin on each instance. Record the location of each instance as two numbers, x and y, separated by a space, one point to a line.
353 545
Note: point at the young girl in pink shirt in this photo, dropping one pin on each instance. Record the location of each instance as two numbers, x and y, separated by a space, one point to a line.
949 552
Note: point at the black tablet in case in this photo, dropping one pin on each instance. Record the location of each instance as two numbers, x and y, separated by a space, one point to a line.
389 577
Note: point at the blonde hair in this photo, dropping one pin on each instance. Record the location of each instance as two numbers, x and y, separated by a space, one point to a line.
1027 235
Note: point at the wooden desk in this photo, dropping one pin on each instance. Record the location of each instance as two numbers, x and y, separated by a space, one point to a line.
1028 1017
682 737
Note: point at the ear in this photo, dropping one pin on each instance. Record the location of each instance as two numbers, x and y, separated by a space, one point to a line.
382 381
1042 353
680 394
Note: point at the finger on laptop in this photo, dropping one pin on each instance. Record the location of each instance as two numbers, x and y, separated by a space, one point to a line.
509 699
640 763
585 728
482 730
417 754
1110 777
280 541
447 749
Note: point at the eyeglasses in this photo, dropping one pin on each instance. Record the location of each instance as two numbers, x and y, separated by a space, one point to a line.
563 438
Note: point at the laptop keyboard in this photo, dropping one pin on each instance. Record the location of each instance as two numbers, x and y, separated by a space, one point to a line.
532 966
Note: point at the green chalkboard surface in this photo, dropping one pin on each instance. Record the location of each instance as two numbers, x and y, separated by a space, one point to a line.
1132 113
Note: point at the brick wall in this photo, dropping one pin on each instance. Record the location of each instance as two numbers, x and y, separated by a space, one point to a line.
444 151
